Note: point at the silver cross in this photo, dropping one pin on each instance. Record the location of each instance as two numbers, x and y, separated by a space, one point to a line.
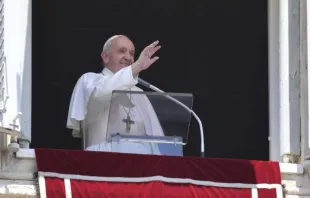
128 122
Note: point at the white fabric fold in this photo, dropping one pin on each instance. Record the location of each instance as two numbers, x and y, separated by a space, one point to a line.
90 104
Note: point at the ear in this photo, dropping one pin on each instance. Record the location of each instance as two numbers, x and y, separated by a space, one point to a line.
105 57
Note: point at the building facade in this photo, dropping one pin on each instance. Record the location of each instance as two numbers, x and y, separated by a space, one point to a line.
289 54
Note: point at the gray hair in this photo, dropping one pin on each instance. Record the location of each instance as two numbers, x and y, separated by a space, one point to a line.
107 45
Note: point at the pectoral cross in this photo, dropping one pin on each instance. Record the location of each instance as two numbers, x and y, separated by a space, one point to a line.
128 122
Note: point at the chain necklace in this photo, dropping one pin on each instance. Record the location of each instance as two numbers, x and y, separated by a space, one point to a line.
128 120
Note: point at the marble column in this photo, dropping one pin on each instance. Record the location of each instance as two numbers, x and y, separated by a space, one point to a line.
289 72
305 83
273 70
284 80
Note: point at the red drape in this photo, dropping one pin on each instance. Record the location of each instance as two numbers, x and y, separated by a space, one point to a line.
101 174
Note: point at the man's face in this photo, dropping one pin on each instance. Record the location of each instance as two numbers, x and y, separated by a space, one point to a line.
120 55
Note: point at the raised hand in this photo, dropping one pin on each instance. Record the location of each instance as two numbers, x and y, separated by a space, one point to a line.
145 59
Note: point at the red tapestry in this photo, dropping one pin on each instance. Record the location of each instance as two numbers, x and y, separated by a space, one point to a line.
77 174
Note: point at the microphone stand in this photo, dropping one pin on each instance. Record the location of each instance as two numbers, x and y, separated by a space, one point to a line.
148 85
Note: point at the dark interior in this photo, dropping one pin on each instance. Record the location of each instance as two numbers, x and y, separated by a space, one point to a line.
216 50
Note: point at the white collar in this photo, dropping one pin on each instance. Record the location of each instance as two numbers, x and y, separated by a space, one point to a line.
107 72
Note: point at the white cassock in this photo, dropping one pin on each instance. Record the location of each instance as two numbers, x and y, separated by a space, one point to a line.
90 105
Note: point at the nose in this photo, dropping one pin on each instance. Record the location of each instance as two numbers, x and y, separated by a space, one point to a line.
128 57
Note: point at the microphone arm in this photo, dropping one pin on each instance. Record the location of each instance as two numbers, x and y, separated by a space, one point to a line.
148 85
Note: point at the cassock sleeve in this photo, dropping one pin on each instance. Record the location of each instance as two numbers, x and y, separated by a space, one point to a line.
96 87
121 80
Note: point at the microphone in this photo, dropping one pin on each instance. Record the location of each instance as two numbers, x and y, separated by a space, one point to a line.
144 83
148 85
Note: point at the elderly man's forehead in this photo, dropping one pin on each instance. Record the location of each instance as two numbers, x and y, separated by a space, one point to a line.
123 41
